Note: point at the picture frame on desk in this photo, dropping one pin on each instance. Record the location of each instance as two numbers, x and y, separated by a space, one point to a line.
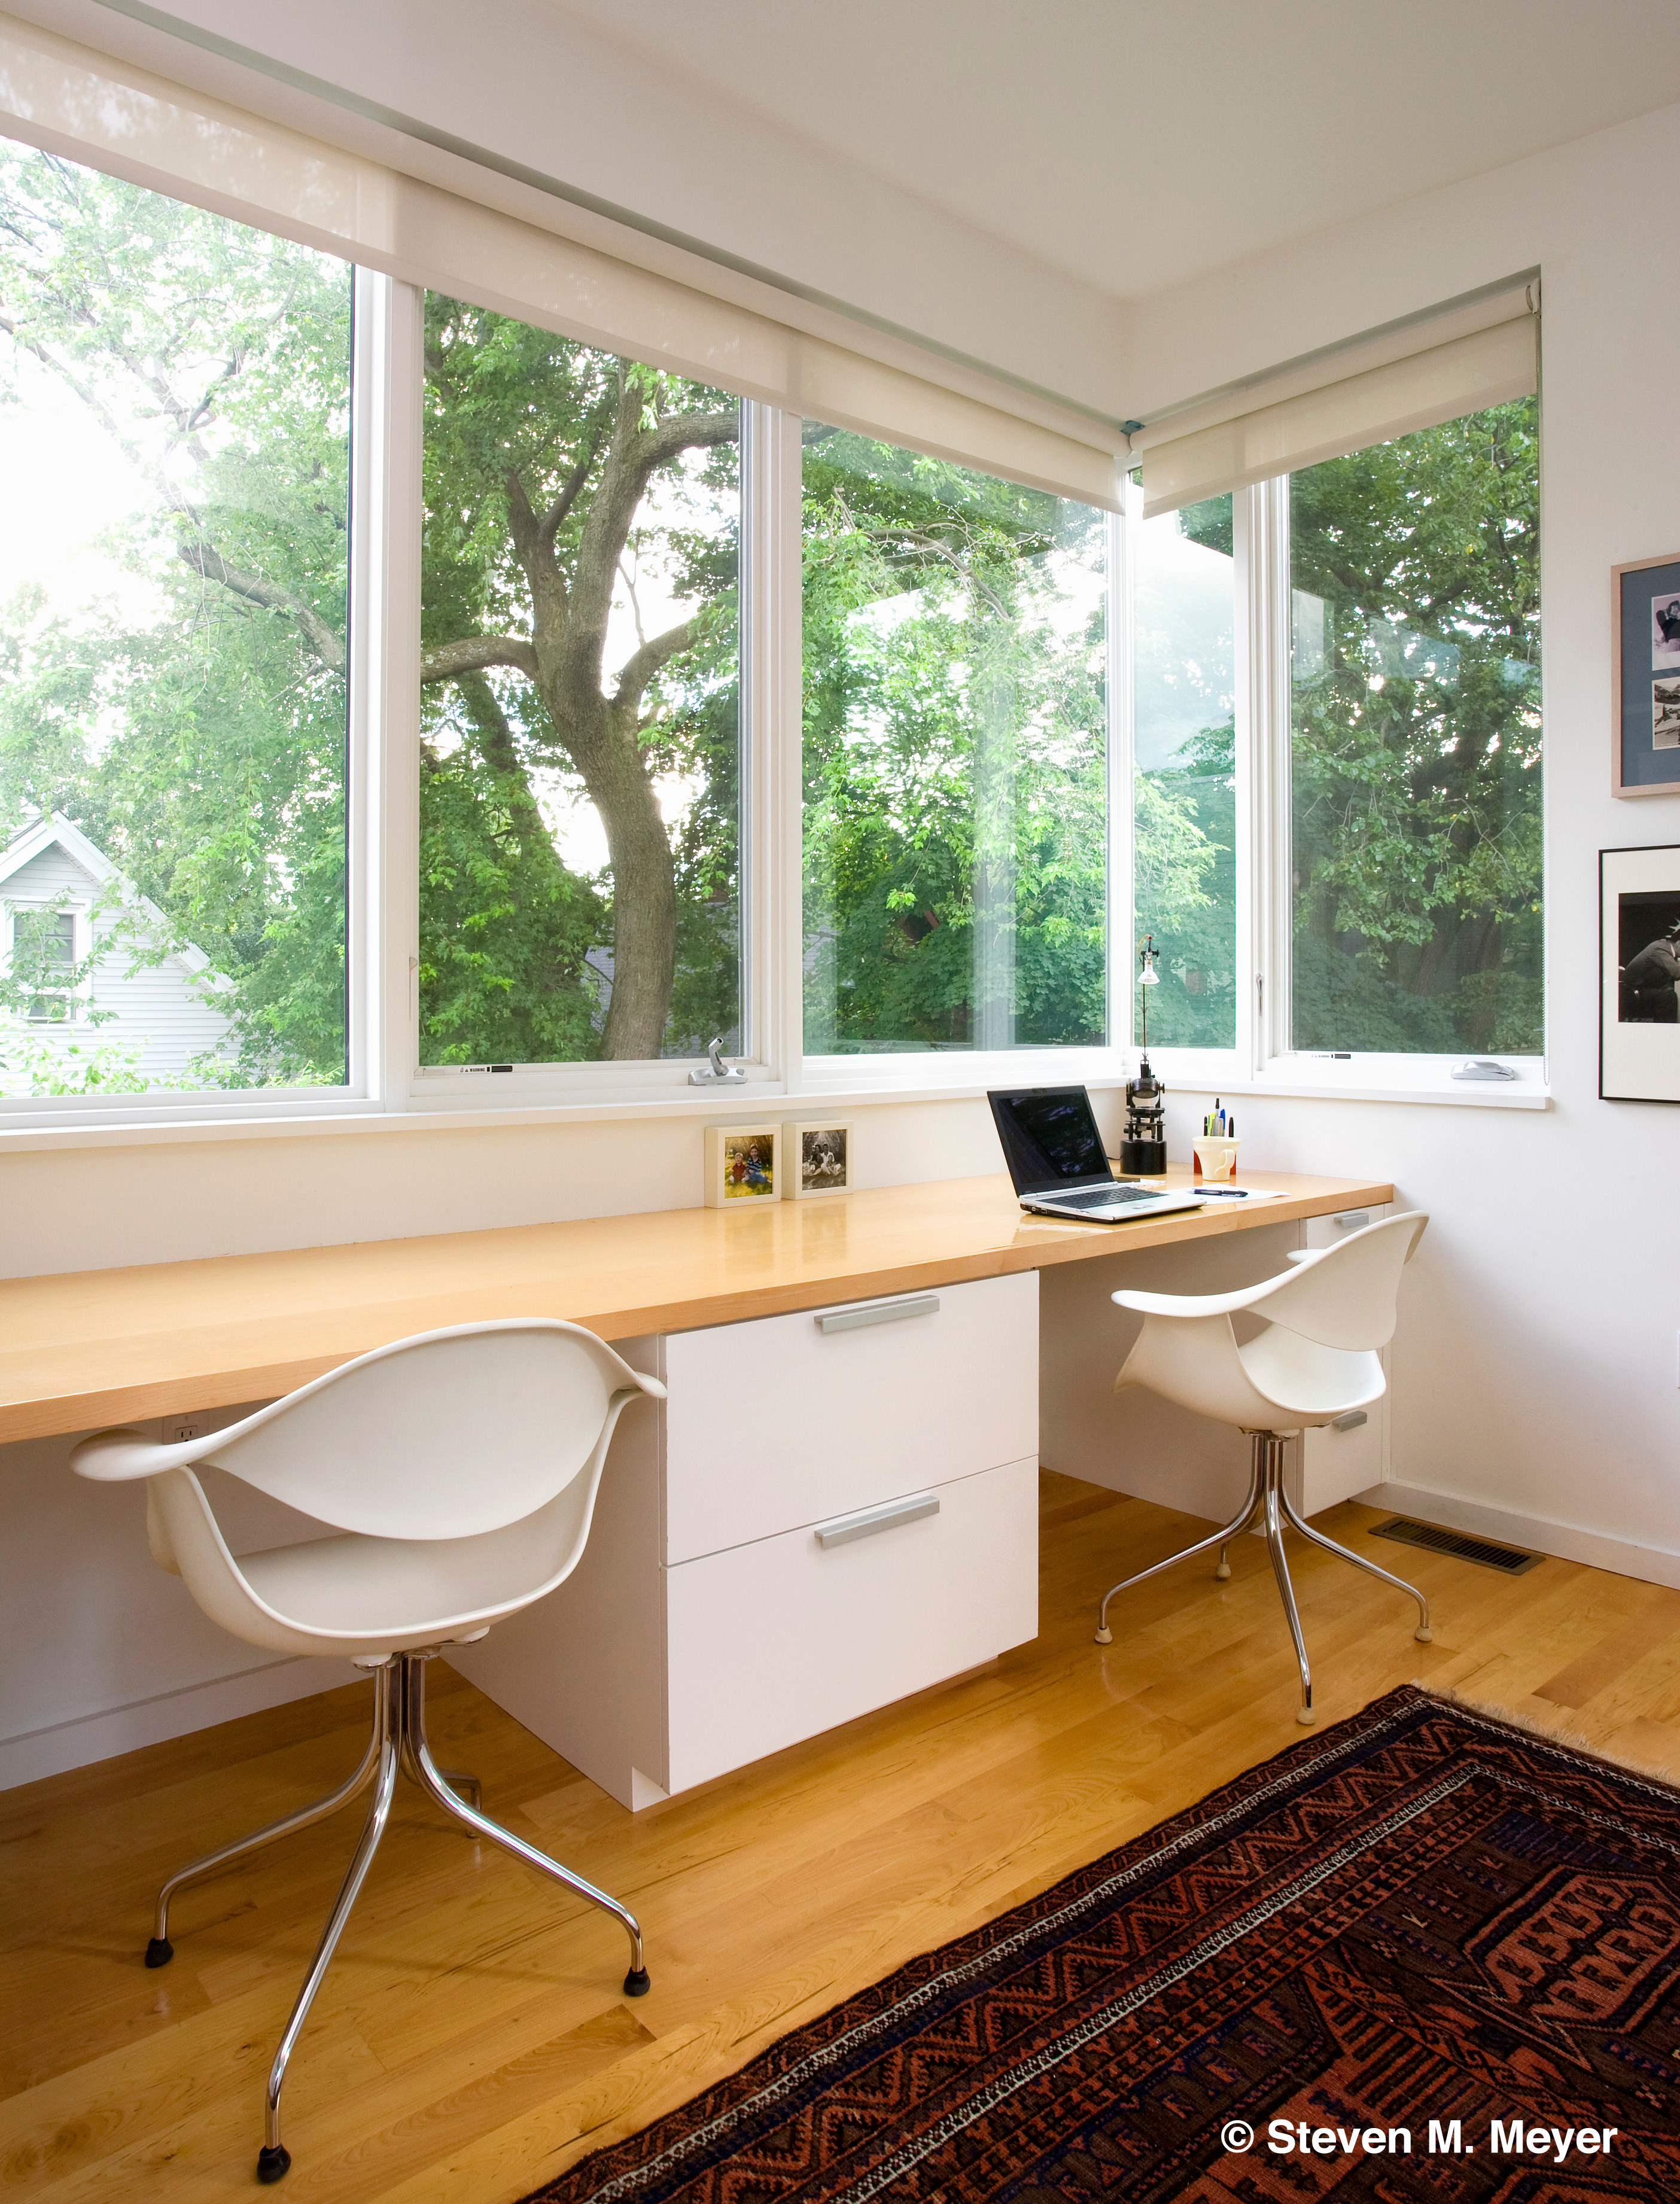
1638 975
743 1166
819 1158
1645 678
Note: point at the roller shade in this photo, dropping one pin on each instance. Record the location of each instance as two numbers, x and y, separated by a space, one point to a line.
70 100
1475 356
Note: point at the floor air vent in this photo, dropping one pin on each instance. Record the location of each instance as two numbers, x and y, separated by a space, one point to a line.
1479 1550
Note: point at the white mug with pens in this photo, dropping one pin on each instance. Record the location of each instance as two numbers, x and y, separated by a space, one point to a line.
1216 1149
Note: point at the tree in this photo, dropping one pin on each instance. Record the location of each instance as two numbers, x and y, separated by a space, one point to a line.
191 716
955 757
540 455
1416 741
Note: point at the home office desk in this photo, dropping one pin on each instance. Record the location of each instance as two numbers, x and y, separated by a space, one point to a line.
736 1594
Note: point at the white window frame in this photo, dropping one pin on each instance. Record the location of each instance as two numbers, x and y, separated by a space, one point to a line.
386 1082
78 993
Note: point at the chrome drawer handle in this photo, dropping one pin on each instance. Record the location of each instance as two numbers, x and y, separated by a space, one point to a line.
1352 1220
867 1520
1351 1422
853 1319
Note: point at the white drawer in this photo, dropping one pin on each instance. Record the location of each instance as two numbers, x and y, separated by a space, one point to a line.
777 1422
774 1642
1327 1231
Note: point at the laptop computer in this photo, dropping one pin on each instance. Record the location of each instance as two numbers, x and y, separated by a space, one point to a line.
1056 1158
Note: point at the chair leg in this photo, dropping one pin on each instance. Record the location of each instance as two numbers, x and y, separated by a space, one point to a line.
1424 1633
1105 1636
274 2158
1274 1546
432 1780
159 1951
456 1777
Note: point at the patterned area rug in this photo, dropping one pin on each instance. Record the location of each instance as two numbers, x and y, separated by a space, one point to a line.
1421 1955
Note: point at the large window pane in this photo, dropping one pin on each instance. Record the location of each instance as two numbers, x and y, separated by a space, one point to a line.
955 747
1184 717
173 443
580 792
1414 567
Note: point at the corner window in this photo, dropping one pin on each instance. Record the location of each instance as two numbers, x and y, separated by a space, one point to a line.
580 877
956 807
1415 744
174 443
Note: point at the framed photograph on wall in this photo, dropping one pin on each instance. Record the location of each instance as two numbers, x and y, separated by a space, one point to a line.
819 1159
1645 728
743 1166
1638 975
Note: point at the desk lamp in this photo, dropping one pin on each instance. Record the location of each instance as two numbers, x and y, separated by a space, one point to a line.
1145 1147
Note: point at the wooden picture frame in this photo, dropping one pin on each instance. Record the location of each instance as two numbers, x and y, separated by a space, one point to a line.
743 1166
818 1154
1638 975
1645 678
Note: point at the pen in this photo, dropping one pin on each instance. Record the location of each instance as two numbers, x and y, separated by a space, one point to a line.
1223 1193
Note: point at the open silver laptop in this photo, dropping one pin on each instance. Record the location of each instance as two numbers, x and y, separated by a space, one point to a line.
1056 1158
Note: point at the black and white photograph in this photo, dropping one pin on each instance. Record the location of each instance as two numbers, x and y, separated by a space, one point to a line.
1639 998
1665 715
819 1158
1648 928
1666 630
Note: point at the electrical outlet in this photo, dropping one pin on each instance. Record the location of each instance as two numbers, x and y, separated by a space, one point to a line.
176 1431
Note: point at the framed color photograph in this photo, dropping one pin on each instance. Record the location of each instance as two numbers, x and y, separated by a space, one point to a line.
1639 984
743 1166
1645 735
819 1159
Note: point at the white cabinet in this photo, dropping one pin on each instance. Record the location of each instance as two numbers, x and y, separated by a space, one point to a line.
833 1509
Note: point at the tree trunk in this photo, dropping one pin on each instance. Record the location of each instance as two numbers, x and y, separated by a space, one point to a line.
644 886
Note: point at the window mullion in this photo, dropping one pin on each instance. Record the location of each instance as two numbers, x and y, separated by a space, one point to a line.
772 937
1122 793
1264 688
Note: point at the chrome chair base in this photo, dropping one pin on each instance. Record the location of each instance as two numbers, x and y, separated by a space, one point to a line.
1269 1499
397 1744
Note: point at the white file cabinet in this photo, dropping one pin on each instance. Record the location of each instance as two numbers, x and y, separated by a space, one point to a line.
831 1510
1338 1459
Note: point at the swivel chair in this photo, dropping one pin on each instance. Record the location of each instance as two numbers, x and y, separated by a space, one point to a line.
460 1468
1317 1359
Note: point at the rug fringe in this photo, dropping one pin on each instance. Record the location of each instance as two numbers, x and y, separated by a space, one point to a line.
1574 1739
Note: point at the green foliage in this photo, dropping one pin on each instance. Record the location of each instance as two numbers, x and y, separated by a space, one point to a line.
1416 744
955 807
514 942
193 729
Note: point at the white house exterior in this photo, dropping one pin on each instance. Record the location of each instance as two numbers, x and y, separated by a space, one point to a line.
164 1013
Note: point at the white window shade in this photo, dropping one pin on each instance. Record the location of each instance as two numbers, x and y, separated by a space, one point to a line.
88 107
1385 387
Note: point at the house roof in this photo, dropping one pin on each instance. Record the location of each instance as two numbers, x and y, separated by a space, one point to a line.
50 829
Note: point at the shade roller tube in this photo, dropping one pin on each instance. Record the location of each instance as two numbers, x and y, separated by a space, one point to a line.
1227 445
69 100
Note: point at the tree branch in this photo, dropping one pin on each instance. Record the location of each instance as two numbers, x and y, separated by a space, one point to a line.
554 518
326 646
682 432
642 664
473 653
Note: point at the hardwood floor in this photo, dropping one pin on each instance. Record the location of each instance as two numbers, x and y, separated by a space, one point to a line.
471 2041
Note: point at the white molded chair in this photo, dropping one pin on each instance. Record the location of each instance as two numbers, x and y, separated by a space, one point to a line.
460 1468
1317 1359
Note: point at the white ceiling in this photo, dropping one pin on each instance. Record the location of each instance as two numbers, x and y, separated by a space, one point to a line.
1137 145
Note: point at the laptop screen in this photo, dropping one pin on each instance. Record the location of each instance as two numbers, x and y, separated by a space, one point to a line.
1050 1139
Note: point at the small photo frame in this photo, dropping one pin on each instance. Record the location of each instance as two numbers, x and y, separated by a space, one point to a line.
1639 983
743 1166
1645 732
819 1158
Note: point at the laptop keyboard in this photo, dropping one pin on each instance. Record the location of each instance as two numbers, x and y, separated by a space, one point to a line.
1104 1196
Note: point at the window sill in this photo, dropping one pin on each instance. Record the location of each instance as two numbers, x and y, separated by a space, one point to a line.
761 1099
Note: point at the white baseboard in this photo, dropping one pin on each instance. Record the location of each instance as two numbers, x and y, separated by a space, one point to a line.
88 1737
1568 1541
